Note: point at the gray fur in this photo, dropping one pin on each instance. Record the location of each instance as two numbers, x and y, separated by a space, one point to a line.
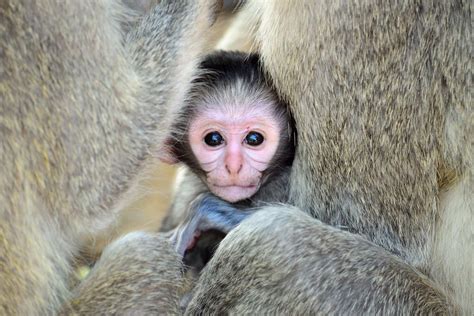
287 263
380 97
79 107
139 274
378 92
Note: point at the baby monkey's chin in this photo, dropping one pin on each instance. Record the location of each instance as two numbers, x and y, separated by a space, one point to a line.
234 193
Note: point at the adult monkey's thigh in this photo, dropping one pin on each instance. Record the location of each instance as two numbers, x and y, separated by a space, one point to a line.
282 261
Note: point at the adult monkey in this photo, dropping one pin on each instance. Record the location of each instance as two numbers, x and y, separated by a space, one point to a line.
381 102
79 105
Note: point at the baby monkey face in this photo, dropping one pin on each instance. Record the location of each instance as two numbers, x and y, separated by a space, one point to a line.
233 148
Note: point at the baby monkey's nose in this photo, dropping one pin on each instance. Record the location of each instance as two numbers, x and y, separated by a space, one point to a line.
234 163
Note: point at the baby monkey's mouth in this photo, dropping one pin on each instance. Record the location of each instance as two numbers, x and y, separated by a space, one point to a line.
236 186
244 183
232 192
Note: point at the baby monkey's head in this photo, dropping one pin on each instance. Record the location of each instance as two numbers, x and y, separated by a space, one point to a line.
234 131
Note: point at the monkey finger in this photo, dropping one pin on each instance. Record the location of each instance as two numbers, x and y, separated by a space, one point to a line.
217 214
206 212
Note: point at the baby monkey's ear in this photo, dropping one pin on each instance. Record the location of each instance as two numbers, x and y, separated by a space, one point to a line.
166 152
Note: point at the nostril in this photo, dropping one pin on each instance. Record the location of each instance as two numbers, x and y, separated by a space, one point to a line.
233 170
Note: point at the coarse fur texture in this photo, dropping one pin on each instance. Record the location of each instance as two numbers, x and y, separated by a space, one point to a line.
155 288
301 266
79 103
380 98
380 95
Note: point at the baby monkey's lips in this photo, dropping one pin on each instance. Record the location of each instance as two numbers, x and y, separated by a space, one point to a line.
234 192
236 186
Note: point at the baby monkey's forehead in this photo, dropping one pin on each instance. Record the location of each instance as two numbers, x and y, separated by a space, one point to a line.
239 93
240 103
260 113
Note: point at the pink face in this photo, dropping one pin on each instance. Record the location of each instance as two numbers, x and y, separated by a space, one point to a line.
234 148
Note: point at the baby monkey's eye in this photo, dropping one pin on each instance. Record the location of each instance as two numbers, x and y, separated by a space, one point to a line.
254 138
213 139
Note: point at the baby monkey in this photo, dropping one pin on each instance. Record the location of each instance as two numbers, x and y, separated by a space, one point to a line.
236 136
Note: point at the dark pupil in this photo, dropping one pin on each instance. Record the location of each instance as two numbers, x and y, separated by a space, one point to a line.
213 139
254 139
